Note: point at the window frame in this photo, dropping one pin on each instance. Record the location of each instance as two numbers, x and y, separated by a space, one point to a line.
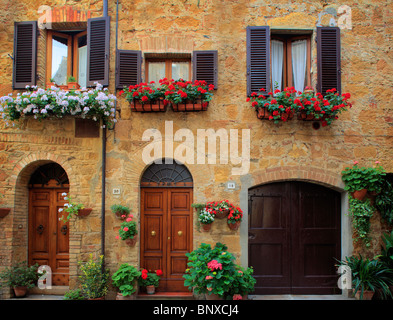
287 59
168 66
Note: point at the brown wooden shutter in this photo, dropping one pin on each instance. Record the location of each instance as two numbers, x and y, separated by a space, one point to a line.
329 59
204 66
98 33
258 59
25 54
128 68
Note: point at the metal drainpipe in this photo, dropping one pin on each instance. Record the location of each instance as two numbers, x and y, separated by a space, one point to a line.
103 174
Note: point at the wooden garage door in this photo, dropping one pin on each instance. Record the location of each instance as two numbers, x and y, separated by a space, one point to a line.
166 234
294 238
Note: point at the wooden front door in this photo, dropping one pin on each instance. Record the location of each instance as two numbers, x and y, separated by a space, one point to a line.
48 235
166 234
294 238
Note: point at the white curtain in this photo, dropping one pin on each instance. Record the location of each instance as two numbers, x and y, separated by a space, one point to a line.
82 55
180 70
277 64
299 59
156 71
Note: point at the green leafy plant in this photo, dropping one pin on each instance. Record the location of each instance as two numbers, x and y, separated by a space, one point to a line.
242 284
20 275
369 275
120 210
361 212
205 216
124 279
143 92
213 271
94 278
128 229
384 202
358 178
386 255
75 294
71 208
71 79
150 278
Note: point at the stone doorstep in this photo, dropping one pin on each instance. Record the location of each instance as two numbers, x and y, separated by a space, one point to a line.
55 290
166 296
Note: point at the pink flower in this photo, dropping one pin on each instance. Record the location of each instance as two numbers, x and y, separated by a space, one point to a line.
214 265
117 237
209 277
355 162
129 219
209 289
377 162
237 297
126 229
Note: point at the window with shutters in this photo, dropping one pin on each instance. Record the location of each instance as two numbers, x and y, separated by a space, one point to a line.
200 65
66 56
284 60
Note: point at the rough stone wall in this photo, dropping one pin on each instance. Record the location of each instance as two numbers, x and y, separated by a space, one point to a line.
293 150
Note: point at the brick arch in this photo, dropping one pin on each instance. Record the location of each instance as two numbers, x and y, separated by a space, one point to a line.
301 173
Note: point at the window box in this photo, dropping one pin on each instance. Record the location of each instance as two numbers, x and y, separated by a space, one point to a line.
158 105
198 105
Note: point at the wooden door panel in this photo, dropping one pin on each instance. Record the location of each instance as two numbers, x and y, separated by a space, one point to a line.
294 236
48 239
167 212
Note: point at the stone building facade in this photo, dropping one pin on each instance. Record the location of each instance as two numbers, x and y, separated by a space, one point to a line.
287 152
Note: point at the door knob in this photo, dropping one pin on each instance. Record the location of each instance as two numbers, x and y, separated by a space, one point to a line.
153 233
180 233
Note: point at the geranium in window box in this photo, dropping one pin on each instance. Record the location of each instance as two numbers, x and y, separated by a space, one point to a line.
316 107
96 104
145 97
277 107
187 95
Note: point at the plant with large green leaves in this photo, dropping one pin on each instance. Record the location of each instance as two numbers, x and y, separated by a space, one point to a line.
20 275
386 255
369 275
361 212
124 279
243 283
384 202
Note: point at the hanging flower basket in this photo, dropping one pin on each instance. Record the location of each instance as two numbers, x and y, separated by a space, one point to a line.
206 226
84 212
131 242
359 194
234 225
158 105
197 105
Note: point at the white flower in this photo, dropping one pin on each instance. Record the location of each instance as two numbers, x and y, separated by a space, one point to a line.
61 209
64 194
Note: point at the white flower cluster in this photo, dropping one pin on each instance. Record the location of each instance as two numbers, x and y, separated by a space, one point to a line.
95 104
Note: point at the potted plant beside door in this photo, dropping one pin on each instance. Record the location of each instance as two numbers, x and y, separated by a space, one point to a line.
124 279
150 280
20 278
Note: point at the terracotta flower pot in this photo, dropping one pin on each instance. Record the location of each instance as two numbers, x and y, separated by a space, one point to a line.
99 298
20 292
84 212
222 214
234 226
119 296
119 215
150 289
367 295
359 194
212 296
131 242
306 117
73 85
149 106
198 105
206 227
262 113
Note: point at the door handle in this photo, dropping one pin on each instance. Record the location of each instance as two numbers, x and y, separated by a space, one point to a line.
153 233
40 229
251 236
180 233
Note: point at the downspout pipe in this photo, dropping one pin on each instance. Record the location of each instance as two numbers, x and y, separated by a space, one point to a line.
103 174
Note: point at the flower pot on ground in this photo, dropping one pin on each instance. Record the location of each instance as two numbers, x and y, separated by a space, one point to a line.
212 296
128 231
242 284
369 275
125 279
150 280
94 278
20 277
120 211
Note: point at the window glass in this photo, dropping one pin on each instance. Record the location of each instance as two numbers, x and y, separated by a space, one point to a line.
299 60
156 71
59 60
82 61
181 70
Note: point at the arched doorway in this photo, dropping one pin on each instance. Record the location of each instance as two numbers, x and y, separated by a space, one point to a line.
166 222
294 237
48 234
